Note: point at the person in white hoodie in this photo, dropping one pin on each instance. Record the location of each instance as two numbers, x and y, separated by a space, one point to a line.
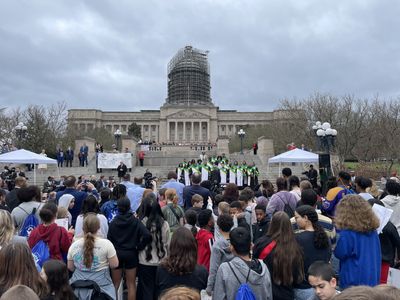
392 201
242 269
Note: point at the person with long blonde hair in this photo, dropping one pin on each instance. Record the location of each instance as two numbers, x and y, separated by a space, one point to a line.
91 257
358 247
7 230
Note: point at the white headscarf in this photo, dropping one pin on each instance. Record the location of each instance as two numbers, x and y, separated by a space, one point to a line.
65 200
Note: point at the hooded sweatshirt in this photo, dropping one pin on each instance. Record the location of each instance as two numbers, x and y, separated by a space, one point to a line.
220 253
65 201
54 236
393 202
127 233
227 285
205 240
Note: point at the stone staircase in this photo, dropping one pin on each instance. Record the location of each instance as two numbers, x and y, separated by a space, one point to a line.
166 163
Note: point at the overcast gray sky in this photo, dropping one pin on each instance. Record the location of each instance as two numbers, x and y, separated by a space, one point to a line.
113 55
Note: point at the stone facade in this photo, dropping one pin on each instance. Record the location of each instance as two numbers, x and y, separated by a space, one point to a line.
190 124
188 114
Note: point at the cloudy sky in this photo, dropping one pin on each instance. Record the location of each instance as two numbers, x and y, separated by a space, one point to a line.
113 55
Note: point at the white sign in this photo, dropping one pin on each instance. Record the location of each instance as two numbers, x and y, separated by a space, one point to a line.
383 215
112 160
62 223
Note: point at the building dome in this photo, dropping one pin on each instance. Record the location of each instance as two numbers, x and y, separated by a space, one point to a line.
189 78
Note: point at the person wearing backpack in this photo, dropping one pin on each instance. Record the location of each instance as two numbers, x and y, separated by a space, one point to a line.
90 258
57 239
110 208
282 200
242 277
30 206
172 212
338 190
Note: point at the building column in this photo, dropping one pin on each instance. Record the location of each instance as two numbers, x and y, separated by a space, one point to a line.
201 131
157 134
184 131
192 132
141 132
176 132
208 131
168 131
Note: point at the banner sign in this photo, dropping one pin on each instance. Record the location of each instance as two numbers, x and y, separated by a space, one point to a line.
112 160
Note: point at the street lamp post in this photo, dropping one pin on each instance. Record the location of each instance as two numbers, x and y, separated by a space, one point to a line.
20 131
117 135
325 137
241 134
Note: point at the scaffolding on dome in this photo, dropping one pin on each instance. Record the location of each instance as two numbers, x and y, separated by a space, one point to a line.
189 77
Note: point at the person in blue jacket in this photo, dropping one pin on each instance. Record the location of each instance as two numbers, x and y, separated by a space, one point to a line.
358 247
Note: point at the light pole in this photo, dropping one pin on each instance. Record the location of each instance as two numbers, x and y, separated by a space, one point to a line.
20 131
325 136
241 134
117 135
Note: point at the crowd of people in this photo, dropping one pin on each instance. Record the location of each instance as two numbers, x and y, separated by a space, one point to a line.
273 240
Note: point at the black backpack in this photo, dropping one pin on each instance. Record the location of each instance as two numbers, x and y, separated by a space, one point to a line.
97 294
287 208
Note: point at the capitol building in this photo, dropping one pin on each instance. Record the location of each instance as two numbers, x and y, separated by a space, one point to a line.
188 114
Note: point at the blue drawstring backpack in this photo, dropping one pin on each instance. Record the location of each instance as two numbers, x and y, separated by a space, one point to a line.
41 254
112 212
244 291
30 223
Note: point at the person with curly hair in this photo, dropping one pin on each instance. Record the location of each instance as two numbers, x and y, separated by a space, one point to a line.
314 242
180 293
180 267
358 247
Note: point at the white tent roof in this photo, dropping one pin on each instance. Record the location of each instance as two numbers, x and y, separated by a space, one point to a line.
25 157
295 155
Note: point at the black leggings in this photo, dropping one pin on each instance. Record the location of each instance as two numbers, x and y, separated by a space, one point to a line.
147 282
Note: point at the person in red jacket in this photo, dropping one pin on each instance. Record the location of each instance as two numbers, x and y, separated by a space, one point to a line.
205 238
57 238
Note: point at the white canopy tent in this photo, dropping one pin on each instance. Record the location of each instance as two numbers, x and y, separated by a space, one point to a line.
23 156
294 156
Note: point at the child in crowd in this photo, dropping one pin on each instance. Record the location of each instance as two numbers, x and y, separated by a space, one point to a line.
161 197
261 227
191 221
236 212
247 197
242 269
55 273
205 238
197 203
321 277
220 251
